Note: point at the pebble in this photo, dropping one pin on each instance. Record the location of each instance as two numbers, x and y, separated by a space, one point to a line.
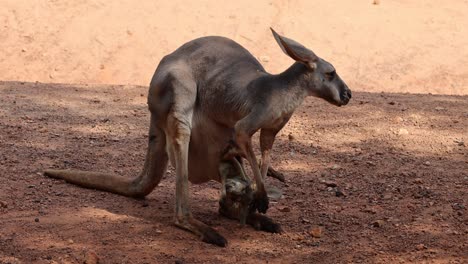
420 247
36 220
329 183
264 58
402 131
339 193
457 206
284 209
3 204
91 258
378 223
291 137
316 232
418 181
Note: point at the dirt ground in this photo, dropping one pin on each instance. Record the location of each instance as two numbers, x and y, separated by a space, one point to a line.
381 180
400 161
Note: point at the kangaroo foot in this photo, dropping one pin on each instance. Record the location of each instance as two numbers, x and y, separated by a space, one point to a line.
263 223
257 221
206 233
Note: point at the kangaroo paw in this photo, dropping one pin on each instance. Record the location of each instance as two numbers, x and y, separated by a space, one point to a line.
206 233
264 223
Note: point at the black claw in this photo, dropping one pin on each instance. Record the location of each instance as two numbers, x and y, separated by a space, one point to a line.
268 225
263 223
215 239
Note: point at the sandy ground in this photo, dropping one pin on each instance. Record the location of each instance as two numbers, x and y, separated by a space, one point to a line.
384 179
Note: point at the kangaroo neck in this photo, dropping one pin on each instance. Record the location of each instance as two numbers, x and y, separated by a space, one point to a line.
292 82
286 90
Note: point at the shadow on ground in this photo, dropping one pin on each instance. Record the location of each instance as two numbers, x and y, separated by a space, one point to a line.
383 178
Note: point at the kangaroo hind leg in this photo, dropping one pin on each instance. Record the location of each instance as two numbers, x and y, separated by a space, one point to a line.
178 131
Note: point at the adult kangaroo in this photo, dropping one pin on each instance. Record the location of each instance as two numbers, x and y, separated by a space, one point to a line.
206 100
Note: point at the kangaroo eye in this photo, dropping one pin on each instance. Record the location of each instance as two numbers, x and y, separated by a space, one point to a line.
330 75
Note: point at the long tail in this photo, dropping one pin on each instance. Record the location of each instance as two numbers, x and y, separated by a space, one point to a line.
140 186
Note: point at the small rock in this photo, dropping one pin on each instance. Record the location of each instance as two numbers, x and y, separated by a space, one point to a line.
457 206
291 137
402 131
70 241
418 181
335 167
329 183
378 223
427 163
23 50
91 258
264 58
339 193
369 210
3 204
36 220
420 247
387 196
439 108
376 2
157 231
305 221
460 143
284 209
316 232
391 103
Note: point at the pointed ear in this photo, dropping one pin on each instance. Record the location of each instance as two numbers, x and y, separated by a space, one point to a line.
295 50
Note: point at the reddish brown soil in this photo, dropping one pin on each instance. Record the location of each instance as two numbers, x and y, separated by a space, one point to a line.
400 161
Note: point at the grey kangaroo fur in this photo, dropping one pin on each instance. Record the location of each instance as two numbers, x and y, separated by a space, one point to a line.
207 93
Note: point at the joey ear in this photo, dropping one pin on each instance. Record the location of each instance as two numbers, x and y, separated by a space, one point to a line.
295 50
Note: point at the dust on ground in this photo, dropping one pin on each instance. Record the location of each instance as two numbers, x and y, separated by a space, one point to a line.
382 180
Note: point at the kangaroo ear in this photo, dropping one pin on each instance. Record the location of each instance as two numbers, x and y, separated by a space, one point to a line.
295 50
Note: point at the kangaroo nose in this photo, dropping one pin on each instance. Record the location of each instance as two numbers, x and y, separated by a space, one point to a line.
348 92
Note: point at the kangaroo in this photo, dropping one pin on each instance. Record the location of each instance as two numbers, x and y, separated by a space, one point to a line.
206 100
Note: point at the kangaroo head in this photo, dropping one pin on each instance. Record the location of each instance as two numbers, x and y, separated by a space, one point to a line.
321 79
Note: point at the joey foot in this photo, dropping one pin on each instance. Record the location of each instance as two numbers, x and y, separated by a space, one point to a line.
206 233
234 210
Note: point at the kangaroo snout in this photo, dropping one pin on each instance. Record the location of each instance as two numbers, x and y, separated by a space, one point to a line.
345 96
